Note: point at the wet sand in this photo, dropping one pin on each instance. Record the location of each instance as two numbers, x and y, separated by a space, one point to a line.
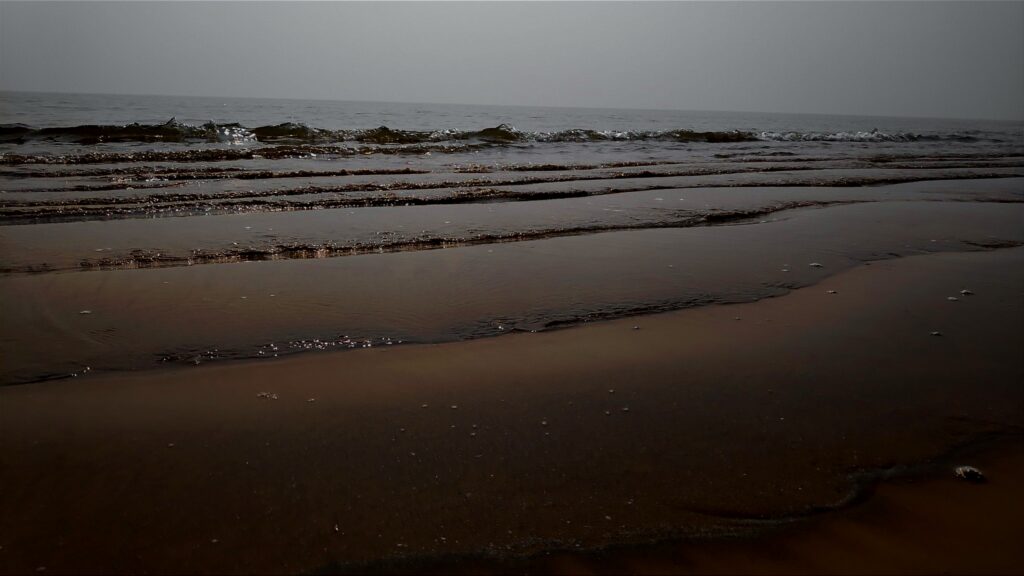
727 422
927 523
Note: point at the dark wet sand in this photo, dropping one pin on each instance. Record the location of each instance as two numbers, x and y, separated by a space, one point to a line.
915 525
734 428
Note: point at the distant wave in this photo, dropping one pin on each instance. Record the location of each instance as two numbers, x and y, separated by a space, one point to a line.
872 136
174 131
170 131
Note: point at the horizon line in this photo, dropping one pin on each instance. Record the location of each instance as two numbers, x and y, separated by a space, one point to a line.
641 109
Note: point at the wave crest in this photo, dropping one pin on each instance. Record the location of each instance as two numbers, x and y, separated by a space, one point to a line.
290 132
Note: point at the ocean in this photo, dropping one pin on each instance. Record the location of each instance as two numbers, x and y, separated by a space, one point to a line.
123 219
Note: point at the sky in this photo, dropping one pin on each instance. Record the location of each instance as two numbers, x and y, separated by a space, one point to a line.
932 59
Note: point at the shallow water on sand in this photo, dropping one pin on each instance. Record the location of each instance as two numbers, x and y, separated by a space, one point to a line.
125 319
94 188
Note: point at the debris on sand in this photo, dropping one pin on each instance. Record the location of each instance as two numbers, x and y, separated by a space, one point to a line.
969 473
267 395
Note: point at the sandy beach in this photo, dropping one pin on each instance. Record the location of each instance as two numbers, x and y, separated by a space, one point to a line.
511 287
744 437
925 524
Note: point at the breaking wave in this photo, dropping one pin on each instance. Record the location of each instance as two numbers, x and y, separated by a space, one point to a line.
170 131
293 133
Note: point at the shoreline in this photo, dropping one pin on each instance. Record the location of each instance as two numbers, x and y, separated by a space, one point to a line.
977 527
190 470
234 311
289 235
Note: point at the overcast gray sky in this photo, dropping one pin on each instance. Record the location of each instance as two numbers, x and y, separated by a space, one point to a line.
945 59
